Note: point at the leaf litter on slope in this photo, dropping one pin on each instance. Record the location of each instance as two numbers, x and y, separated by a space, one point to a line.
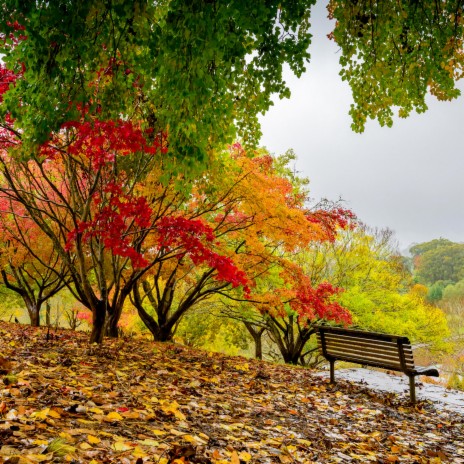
134 401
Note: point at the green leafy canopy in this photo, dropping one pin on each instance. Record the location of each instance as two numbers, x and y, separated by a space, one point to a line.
198 70
202 71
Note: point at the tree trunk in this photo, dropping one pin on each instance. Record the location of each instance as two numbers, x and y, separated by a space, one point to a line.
34 315
290 357
257 338
112 329
290 344
163 329
47 314
98 320
161 333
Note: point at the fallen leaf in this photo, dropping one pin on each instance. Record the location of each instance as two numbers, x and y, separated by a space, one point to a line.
113 417
93 440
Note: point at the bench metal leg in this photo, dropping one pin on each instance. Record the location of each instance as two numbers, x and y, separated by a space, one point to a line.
412 388
332 371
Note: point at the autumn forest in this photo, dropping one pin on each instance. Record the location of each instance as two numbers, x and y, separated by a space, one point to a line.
163 275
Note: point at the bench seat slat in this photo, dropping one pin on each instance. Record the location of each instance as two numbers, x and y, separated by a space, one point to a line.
357 349
367 362
369 344
364 341
393 352
368 357
370 353
362 334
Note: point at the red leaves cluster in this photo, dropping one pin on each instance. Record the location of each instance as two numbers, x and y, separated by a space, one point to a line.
188 235
15 36
318 302
332 219
102 141
7 77
112 223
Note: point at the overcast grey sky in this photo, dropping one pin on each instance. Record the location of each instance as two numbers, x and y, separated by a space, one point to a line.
408 178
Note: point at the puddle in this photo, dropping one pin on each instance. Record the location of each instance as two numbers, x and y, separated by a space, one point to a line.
450 399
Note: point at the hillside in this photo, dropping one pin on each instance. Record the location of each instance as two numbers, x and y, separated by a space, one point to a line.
139 402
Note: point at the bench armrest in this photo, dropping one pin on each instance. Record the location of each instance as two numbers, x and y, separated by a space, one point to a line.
430 371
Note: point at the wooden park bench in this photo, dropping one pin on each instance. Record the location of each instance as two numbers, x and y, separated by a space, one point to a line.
371 349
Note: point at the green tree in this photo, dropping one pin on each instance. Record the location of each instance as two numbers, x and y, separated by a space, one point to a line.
197 69
421 248
454 291
378 289
394 53
435 292
445 263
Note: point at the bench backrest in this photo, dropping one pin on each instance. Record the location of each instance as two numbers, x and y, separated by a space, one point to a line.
368 348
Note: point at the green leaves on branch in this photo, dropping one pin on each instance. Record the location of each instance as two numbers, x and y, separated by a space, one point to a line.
198 69
394 53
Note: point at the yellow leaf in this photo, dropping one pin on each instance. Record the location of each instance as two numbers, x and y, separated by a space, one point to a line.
96 410
113 416
138 452
244 456
131 414
242 367
193 439
93 440
176 432
85 446
173 409
121 446
41 414
149 442
29 458
304 442
40 442
179 415
158 432
54 414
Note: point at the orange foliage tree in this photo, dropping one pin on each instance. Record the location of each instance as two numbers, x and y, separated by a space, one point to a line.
259 219
29 264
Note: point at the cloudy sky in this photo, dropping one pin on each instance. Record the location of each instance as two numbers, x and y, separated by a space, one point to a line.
408 178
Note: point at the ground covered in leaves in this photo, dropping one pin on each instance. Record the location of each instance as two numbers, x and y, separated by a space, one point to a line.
133 401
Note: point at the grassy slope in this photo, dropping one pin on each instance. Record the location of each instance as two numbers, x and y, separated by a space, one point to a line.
134 401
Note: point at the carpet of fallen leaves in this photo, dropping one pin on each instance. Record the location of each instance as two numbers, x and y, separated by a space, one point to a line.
134 401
